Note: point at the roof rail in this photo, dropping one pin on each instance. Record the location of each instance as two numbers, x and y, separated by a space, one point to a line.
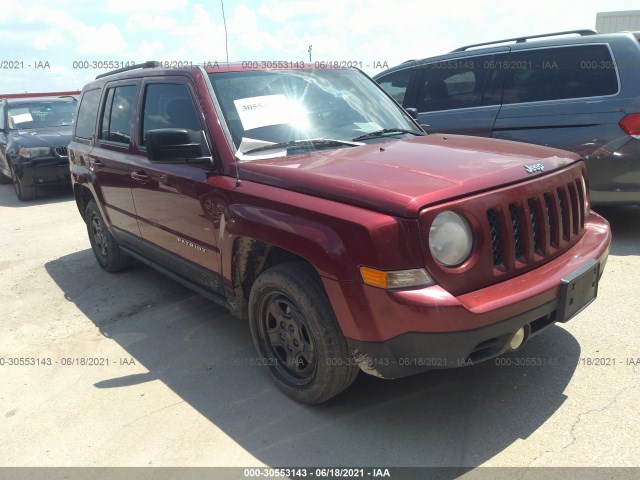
150 64
524 39
39 94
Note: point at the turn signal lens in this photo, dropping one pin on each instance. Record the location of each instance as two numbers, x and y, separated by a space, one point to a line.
417 277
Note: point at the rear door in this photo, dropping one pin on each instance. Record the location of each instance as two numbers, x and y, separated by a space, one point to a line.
562 97
110 158
461 95
174 201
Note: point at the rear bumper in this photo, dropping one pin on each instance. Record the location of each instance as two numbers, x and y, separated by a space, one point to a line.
399 333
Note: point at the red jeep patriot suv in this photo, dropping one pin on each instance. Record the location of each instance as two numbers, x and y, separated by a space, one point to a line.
308 202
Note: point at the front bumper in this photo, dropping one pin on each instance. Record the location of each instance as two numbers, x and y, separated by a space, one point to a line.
399 333
43 172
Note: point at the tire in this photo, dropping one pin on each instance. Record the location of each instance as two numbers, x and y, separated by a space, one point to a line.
296 333
104 246
23 193
4 180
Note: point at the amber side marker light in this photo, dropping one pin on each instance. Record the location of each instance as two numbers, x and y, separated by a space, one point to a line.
416 277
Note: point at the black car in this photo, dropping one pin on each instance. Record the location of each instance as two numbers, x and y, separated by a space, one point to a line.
577 91
34 134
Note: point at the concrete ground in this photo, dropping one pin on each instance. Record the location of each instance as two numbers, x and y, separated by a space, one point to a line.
173 385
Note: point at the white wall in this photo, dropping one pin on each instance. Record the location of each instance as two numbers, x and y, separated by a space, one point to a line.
610 22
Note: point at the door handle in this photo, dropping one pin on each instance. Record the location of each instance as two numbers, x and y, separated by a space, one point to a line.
97 164
140 177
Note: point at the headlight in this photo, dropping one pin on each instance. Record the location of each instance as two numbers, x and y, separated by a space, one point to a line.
34 152
450 239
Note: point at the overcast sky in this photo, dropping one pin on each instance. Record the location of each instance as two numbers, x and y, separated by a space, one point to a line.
54 34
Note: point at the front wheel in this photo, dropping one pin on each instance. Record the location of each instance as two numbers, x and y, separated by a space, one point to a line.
295 332
23 192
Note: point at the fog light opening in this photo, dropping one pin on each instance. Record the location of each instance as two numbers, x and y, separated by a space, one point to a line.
519 338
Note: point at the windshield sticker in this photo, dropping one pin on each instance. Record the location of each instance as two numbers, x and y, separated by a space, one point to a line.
22 118
250 143
264 111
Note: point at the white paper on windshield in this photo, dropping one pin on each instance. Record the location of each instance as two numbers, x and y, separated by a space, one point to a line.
22 117
366 127
250 143
264 111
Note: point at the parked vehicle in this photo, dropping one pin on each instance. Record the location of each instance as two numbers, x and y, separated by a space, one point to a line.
579 93
308 202
34 134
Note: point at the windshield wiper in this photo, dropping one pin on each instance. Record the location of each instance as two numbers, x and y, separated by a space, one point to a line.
304 143
386 131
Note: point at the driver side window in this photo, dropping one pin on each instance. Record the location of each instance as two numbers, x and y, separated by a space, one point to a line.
396 83
168 105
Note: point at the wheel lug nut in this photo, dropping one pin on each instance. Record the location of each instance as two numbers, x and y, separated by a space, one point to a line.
295 342
291 328
282 325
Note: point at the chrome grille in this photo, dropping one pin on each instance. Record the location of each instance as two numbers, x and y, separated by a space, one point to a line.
61 151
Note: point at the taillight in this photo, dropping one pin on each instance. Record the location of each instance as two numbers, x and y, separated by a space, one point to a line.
631 124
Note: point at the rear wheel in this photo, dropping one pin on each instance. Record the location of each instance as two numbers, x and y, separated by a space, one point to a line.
295 331
105 248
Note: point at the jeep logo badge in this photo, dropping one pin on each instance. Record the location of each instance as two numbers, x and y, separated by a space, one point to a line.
538 167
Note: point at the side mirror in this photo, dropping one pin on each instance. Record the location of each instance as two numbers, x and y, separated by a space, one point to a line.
178 145
413 112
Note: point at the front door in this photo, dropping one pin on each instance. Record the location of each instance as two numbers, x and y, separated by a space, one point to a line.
173 201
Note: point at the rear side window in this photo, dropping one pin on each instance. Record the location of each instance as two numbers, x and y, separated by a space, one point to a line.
87 114
1 116
168 105
396 83
456 83
558 73
116 117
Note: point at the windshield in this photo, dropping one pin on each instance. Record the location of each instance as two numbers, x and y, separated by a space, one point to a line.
302 110
41 114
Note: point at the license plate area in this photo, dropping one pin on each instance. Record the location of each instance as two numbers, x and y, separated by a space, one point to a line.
579 289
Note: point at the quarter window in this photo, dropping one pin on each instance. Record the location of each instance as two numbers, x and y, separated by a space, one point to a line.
116 118
87 114
558 73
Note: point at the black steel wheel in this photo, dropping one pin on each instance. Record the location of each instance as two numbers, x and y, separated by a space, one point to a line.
296 333
286 336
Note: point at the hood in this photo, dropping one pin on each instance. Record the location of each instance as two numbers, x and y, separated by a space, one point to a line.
401 177
52 137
